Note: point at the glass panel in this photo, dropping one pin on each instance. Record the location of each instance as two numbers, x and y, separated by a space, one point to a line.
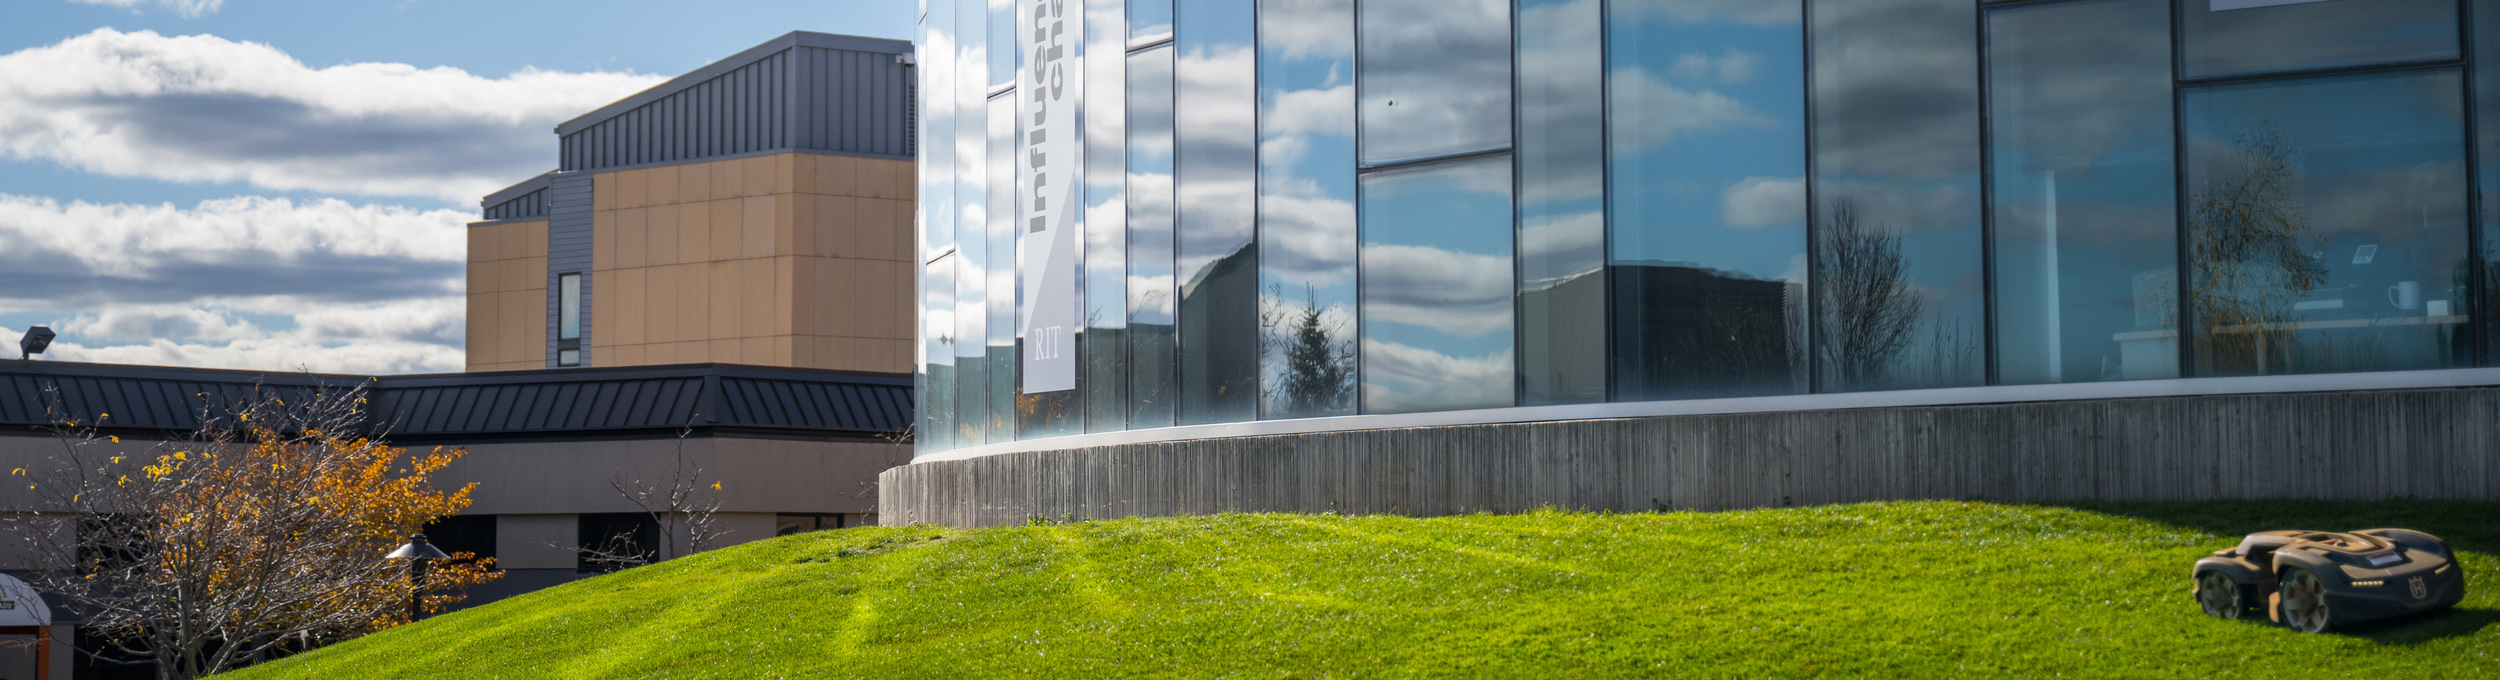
937 338
972 407
2487 164
568 357
1306 208
1897 290
1001 267
2326 224
937 155
1437 286
1149 18
1562 224
2085 198
1216 148
569 307
1708 178
1434 78
1002 42
2239 37
1105 341
1150 290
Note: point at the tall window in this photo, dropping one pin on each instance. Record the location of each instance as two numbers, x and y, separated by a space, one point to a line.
1707 175
1306 209
569 319
1436 313
2083 194
1105 340
1215 151
1895 212
1562 199
1150 287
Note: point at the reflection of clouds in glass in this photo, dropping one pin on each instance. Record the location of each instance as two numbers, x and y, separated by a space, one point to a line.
1666 110
1736 66
1561 139
1400 377
1305 29
1578 239
1885 63
1906 210
1462 294
1747 12
1436 77
1764 202
1293 116
1307 237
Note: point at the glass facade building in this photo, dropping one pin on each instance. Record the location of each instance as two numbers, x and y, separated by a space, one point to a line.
1290 209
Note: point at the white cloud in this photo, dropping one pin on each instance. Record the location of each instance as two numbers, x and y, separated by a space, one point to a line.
1462 294
1688 12
1400 377
187 8
1764 201
246 282
206 109
1664 110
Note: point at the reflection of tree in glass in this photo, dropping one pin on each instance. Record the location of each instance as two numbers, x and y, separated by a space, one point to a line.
2244 236
1869 310
1319 365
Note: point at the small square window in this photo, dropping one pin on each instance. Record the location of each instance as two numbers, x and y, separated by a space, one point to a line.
568 357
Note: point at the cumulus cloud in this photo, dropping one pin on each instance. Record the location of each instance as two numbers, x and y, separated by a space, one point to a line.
207 109
1663 111
1400 377
1463 294
247 282
1764 202
187 8
1689 12
1436 77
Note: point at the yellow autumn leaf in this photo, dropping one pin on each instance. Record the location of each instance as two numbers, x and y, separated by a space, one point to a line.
182 455
21 472
125 480
116 440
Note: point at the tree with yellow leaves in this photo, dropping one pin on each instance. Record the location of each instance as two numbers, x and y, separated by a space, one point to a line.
263 532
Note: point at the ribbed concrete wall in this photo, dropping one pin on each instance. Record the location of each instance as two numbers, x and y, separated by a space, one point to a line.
2435 443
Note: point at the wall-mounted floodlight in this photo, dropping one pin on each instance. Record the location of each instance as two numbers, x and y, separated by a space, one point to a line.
36 341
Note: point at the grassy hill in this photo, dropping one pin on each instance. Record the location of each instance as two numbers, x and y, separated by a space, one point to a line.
1919 589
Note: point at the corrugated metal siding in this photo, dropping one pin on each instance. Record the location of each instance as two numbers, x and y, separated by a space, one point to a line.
568 250
532 204
799 98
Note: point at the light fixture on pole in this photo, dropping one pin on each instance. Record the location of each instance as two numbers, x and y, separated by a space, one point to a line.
417 551
36 340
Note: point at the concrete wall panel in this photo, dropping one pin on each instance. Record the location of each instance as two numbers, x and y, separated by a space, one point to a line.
2427 443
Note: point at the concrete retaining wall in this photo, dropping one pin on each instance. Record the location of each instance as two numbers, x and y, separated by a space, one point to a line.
2429 443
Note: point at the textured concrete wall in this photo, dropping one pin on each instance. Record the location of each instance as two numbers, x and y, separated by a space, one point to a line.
2433 443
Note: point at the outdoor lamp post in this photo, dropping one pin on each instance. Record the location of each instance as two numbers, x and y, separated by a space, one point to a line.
36 340
417 552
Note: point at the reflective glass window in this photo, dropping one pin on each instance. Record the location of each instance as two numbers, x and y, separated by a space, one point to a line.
1215 146
2083 194
1149 19
937 338
1562 225
1002 37
1435 78
2487 164
972 150
2326 224
1001 266
1060 412
1707 130
1151 293
1105 341
1897 294
2239 37
569 307
1437 287
1306 208
937 152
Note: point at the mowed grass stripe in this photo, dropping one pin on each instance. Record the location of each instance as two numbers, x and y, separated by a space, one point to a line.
1909 589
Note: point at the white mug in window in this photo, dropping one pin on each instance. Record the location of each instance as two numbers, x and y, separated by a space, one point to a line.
2405 295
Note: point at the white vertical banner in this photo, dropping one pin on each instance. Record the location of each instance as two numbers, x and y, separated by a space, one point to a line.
1050 174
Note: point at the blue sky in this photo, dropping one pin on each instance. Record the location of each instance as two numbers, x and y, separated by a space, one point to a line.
283 184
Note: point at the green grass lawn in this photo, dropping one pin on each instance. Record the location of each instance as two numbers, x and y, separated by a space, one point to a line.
1915 589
